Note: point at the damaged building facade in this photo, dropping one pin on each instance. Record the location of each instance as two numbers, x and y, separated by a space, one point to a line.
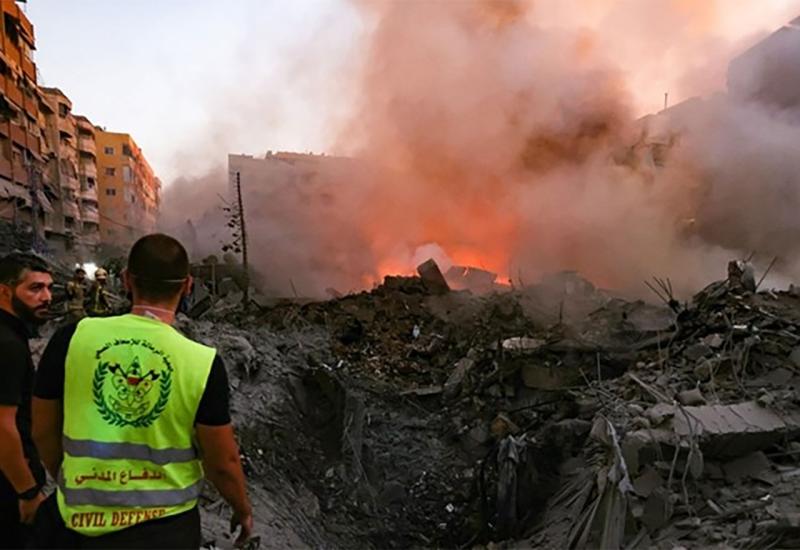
49 178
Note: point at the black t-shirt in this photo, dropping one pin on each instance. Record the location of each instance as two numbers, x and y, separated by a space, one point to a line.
16 385
214 404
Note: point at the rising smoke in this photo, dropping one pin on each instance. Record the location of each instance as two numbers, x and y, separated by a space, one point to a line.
500 135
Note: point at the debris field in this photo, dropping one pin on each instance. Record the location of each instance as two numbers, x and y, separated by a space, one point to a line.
550 416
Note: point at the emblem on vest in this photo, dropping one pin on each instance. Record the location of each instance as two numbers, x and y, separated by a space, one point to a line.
132 382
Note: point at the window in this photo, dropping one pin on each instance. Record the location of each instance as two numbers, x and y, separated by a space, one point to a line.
108 150
90 183
126 150
111 192
63 110
111 172
127 174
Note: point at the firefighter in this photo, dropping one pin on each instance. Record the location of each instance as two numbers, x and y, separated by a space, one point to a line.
99 296
129 415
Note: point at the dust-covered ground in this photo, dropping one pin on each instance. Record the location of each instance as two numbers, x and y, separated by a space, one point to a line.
551 416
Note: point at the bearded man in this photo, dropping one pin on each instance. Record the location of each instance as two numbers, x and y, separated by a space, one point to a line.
25 295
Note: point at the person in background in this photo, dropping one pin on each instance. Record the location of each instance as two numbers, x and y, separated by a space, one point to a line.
121 406
25 296
99 296
76 296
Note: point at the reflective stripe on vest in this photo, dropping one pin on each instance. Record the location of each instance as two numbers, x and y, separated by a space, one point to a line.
132 388
131 451
130 499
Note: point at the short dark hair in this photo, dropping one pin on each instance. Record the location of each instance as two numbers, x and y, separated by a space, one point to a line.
158 264
80 270
14 265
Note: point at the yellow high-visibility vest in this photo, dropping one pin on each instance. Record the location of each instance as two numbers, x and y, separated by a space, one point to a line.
131 392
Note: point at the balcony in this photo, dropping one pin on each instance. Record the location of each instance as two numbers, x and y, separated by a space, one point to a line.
34 143
89 195
11 50
70 209
90 214
29 68
68 182
88 169
83 124
66 125
13 93
87 145
25 26
90 235
31 106
18 134
20 174
5 168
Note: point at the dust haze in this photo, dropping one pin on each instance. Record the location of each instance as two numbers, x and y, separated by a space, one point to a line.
509 136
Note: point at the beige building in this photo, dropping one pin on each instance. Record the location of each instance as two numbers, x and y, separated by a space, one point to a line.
129 193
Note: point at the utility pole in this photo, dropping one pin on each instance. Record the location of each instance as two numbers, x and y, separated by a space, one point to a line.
246 299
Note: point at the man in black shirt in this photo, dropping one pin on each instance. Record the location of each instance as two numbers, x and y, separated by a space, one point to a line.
25 294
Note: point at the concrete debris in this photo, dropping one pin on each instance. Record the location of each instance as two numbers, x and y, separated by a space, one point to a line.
452 387
741 275
522 344
432 277
548 416
691 397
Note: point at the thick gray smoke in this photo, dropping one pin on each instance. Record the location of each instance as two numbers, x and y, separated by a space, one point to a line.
488 135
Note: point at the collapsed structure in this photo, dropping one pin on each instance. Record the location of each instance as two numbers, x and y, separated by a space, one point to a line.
556 415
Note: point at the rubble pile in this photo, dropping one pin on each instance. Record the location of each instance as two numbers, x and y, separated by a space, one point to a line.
556 416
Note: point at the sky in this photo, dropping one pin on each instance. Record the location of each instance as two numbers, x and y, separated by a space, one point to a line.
192 80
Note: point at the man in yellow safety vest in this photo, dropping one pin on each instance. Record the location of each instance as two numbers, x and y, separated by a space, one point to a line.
130 416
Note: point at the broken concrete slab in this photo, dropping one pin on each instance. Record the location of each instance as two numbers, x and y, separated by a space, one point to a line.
741 275
423 391
750 466
714 341
658 509
647 482
452 386
432 277
546 376
697 351
522 344
659 412
691 397
470 278
735 430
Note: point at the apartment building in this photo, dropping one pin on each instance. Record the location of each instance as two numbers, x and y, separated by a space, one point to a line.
62 173
87 179
129 193
25 194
